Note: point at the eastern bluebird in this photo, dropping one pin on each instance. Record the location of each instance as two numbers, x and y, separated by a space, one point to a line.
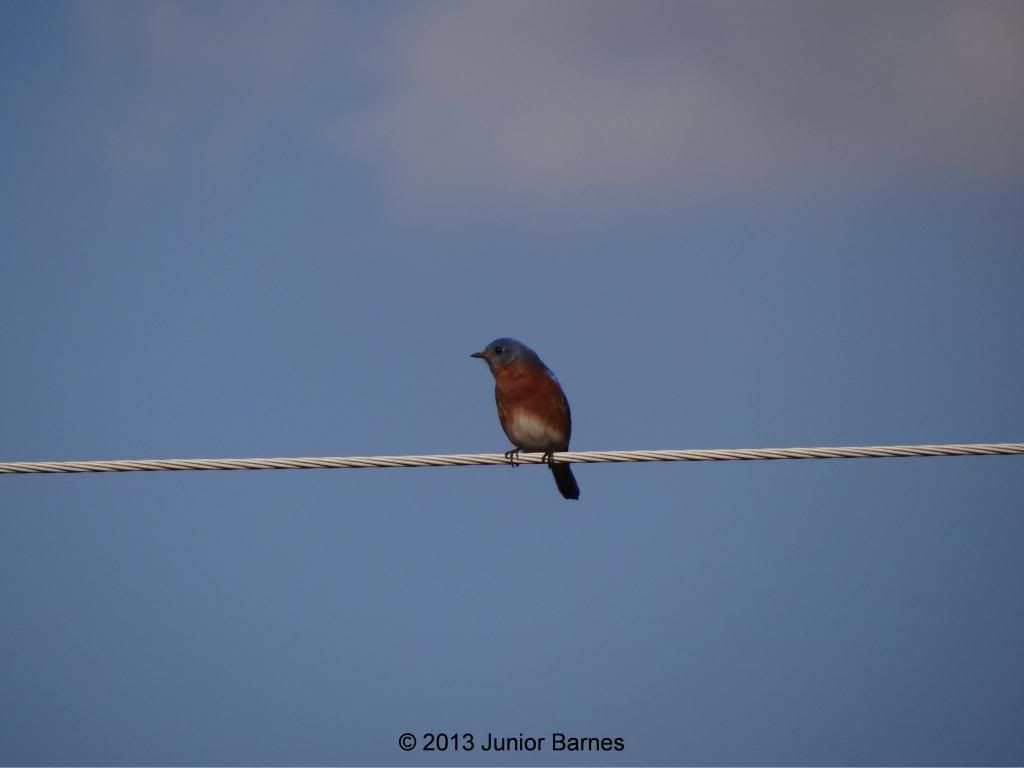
531 406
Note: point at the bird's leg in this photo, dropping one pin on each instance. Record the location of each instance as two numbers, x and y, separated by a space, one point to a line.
549 457
512 454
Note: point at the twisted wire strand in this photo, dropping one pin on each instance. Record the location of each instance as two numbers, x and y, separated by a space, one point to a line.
468 459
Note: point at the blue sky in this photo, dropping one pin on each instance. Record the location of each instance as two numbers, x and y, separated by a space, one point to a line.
269 229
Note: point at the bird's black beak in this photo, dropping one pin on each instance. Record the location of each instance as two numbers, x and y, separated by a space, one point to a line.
478 354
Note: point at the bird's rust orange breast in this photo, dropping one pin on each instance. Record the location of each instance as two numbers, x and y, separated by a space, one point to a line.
532 408
519 383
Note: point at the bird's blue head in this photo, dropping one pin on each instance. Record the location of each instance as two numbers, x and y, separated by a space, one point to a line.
505 351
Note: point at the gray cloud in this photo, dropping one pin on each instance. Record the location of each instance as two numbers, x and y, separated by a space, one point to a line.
459 104
549 101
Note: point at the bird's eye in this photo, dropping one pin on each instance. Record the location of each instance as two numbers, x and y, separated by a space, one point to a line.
499 350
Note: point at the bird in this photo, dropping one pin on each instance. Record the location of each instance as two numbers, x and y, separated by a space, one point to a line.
532 407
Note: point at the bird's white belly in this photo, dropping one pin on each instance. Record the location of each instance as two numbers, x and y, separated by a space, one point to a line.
532 433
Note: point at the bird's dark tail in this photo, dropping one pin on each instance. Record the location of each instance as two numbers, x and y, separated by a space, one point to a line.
565 481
